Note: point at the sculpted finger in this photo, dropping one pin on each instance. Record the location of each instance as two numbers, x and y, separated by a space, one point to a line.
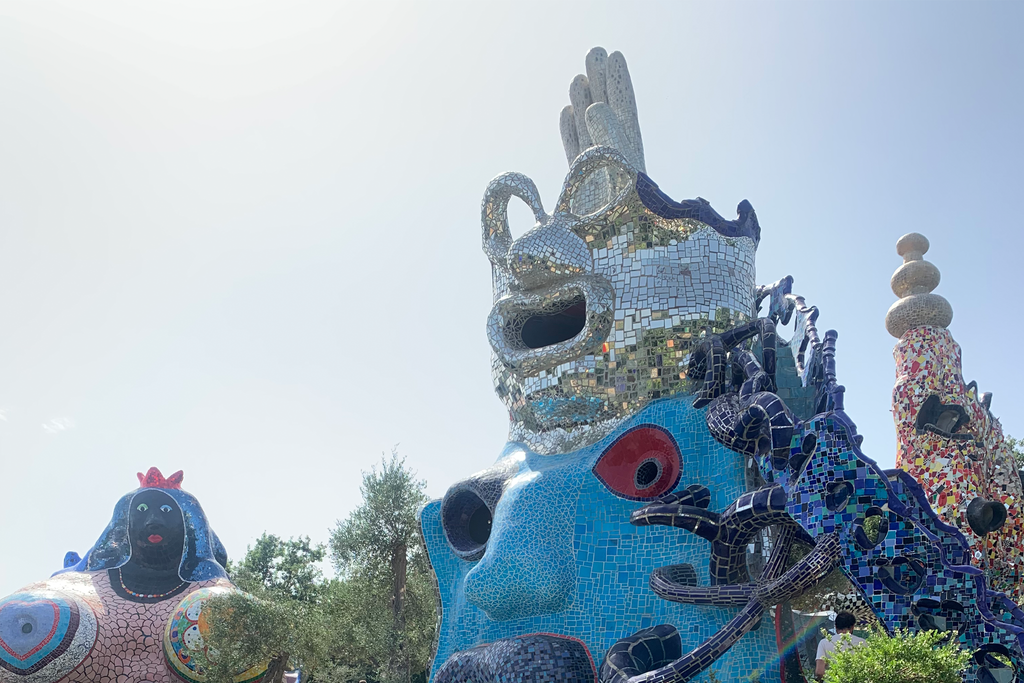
623 102
605 130
570 140
579 97
597 65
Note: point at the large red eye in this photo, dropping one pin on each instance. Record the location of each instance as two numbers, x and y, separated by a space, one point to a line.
642 464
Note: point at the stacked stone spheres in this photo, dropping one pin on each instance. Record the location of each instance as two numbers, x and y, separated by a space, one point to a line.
131 610
669 448
947 437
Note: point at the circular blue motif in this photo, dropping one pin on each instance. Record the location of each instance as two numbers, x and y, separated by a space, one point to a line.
36 629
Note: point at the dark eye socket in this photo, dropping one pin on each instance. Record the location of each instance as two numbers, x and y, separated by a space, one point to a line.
165 508
642 464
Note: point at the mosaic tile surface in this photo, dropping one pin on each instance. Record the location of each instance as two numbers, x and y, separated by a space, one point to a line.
948 438
562 556
915 573
667 448
596 307
961 462
103 619
184 638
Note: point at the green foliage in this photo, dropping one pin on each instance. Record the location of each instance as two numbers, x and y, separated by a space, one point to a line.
385 524
283 568
389 607
903 658
872 525
1017 447
834 583
374 621
246 630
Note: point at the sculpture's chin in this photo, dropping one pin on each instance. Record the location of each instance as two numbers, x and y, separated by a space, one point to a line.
562 439
539 656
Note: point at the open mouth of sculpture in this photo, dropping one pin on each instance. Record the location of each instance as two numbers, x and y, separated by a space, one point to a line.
943 419
546 328
531 331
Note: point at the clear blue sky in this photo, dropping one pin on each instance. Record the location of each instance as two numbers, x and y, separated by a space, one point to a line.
242 239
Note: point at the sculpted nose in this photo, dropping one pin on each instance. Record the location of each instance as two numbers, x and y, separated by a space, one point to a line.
529 566
549 253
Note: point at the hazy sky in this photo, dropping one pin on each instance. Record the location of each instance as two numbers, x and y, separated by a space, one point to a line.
242 239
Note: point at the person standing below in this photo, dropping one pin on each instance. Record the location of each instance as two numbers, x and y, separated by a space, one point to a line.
844 639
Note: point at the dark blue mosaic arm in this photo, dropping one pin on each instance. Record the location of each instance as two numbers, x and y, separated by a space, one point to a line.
915 572
647 650
694 494
754 419
708 361
769 591
729 533
719 596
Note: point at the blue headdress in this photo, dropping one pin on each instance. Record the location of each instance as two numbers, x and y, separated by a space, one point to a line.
203 556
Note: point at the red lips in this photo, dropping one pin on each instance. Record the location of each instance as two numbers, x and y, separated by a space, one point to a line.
155 538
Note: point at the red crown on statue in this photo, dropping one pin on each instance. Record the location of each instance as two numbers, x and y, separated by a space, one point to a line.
153 479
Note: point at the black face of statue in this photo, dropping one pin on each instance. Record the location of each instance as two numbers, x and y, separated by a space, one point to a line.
156 529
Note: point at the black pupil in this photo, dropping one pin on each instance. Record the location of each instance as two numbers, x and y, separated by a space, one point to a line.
26 628
647 474
479 527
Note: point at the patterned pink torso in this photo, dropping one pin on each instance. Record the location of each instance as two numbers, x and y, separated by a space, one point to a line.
128 645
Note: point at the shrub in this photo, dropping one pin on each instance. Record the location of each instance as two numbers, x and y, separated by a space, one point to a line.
903 658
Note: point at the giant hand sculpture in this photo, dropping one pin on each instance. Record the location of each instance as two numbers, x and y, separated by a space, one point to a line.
602 113
597 306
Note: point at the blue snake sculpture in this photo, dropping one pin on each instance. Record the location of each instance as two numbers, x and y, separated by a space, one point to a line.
818 488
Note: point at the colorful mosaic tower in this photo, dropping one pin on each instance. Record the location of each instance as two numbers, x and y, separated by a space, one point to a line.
947 437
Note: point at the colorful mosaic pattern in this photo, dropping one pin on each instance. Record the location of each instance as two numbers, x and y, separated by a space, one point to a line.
562 557
949 441
594 316
595 313
530 570
44 634
625 339
913 568
184 639
101 620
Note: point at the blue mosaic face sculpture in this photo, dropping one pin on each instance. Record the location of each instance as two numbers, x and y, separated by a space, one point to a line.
597 310
560 556
644 393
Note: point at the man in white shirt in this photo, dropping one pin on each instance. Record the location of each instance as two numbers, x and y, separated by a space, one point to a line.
843 639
